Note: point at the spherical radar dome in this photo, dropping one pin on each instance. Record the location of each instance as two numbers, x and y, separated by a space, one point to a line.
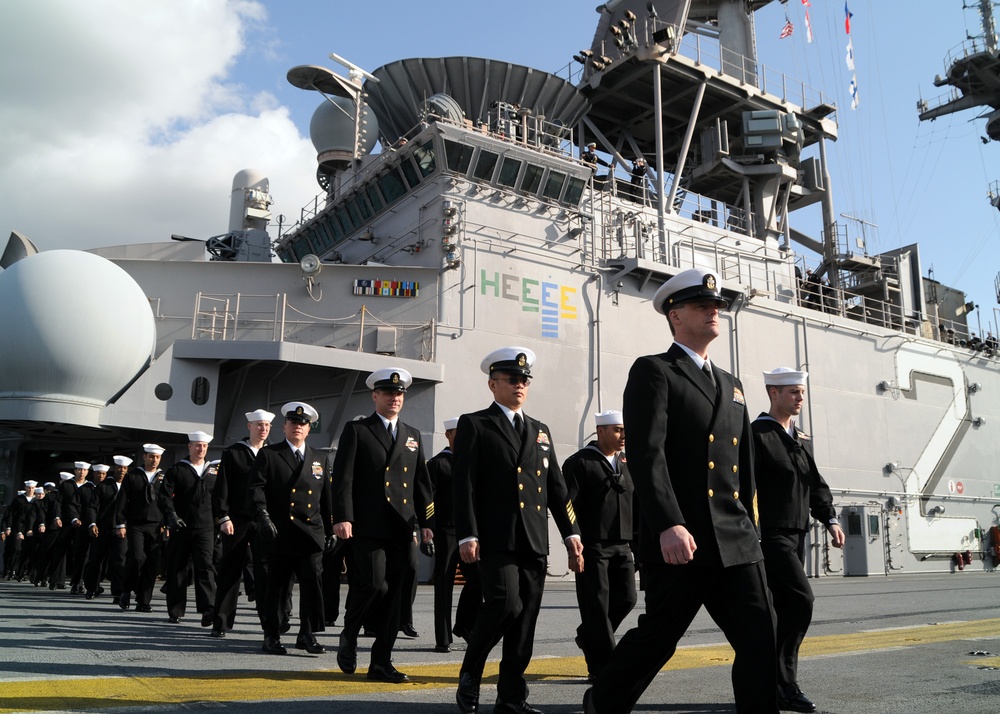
332 127
77 329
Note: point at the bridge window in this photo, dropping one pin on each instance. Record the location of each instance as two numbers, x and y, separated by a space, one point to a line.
574 192
484 166
553 187
508 172
392 185
410 172
425 158
458 156
532 178
375 199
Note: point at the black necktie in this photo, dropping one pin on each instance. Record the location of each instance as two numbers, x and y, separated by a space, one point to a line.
519 426
707 369
298 456
388 428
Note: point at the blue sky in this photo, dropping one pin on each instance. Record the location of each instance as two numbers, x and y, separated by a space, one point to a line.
125 121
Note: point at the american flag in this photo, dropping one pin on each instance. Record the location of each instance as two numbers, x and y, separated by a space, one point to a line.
786 31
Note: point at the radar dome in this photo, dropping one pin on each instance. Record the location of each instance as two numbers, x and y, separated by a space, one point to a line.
77 330
332 127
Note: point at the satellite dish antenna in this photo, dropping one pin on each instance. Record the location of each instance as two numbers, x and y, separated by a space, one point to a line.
322 80
310 266
353 68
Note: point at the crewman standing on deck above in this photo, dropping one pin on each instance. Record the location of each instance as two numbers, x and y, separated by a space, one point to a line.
789 488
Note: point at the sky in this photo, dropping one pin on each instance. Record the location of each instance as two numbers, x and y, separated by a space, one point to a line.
125 121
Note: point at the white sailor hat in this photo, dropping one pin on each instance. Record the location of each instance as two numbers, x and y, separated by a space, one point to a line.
21 492
81 465
300 412
260 415
591 144
783 376
609 418
390 378
101 468
49 484
31 484
65 476
687 286
39 489
152 449
450 424
515 360
121 461
199 436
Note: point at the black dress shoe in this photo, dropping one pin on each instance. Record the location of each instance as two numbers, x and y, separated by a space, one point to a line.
173 619
409 630
207 618
309 644
386 673
347 654
91 596
123 602
442 648
514 708
217 633
143 608
467 696
99 591
791 699
272 645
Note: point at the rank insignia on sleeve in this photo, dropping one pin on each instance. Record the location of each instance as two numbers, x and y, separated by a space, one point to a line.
317 469
738 396
429 512
411 443
570 512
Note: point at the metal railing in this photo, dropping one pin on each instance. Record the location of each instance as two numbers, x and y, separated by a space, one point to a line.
272 318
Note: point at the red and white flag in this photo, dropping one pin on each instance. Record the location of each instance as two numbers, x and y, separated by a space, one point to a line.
809 27
786 31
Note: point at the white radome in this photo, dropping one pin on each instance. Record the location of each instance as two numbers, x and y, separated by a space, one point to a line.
76 330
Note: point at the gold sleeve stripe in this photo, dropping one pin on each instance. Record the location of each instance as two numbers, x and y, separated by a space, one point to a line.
429 513
570 512
756 515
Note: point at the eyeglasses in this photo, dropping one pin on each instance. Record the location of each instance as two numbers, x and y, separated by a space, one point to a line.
516 379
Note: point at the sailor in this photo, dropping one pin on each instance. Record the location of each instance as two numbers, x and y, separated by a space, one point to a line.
601 489
185 500
138 520
23 527
790 488
81 500
590 157
290 493
13 537
381 491
506 475
34 553
446 558
107 552
59 550
50 516
234 514
691 460
638 181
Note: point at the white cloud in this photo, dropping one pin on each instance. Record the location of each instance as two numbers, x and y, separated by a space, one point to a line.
121 122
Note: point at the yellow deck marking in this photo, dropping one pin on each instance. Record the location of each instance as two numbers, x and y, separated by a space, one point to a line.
108 692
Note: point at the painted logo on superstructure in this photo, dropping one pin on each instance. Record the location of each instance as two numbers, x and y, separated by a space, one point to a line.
554 302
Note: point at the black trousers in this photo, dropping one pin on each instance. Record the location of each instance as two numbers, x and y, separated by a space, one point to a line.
231 566
294 554
107 554
784 555
376 591
195 545
334 564
79 548
512 597
605 592
142 560
446 561
409 593
736 598
55 567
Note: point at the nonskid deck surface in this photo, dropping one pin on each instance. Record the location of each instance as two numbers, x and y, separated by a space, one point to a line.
918 643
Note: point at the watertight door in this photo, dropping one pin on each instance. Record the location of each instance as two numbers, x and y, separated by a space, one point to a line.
864 549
